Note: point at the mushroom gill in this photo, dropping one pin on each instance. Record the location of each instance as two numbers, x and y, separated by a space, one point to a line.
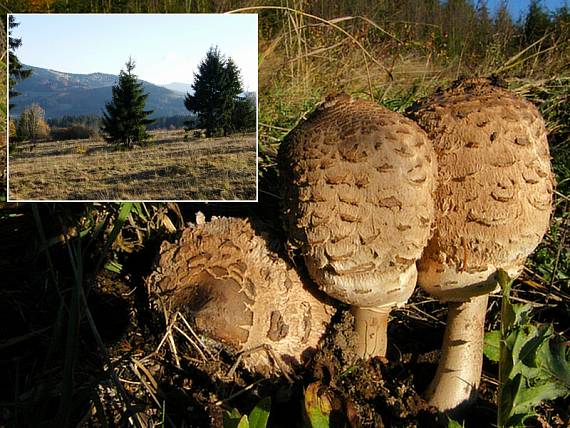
241 294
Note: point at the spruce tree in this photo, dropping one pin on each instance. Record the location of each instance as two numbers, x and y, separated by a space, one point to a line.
484 34
536 24
125 121
231 88
505 35
216 86
244 118
16 69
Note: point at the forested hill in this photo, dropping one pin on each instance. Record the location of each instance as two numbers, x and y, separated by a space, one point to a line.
67 94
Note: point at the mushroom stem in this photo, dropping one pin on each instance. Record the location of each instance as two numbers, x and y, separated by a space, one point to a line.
459 371
371 325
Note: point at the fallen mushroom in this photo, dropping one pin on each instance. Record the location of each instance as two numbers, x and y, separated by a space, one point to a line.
357 183
241 294
493 204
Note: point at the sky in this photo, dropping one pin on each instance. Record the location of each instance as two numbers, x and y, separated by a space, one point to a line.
165 48
518 8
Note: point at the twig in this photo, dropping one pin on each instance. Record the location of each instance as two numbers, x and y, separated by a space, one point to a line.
264 347
269 193
189 339
279 128
195 336
430 316
240 392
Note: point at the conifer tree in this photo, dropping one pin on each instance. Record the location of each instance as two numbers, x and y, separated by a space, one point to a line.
537 22
125 121
484 33
231 88
244 117
505 33
16 69
561 22
216 88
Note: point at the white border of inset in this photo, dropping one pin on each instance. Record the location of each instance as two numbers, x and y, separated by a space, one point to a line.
132 200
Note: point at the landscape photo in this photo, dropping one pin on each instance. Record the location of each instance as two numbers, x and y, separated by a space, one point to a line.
100 110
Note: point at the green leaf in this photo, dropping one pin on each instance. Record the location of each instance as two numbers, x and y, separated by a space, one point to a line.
555 361
138 210
492 345
317 407
114 266
453 423
234 413
536 337
260 414
530 397
243 422
124 211
534 365
232 418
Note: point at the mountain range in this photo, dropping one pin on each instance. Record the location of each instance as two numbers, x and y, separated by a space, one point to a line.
183 88
68 94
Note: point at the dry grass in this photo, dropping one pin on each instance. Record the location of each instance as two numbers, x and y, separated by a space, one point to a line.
170 169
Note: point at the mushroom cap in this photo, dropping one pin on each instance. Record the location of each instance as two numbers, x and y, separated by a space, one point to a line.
357 183
241 294
494 194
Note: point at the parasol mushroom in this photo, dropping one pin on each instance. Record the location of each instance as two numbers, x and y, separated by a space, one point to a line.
357 183
241 294
493 204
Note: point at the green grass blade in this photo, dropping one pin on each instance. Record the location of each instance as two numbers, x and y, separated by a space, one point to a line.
260 414
124 211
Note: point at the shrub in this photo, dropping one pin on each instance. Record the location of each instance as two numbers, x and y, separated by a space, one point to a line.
12 128
74 132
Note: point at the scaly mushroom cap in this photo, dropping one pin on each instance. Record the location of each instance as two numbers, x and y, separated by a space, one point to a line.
240 293
358 182
493 199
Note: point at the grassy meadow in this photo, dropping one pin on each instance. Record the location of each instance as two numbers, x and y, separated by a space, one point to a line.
88 346
169 168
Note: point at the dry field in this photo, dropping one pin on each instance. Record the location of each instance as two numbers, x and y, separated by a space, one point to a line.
170 169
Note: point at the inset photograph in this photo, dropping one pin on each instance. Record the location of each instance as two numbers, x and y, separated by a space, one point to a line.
132 107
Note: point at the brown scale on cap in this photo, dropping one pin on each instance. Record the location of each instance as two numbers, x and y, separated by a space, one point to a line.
493 200
240 293
493 204
358 184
